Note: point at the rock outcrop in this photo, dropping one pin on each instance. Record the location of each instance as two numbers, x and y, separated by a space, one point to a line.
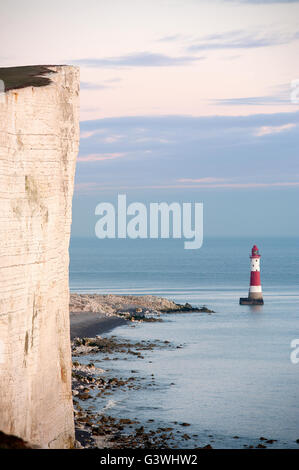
112 304
39 135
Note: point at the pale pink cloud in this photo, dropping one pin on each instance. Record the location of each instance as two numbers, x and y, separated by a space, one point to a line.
239 185
96 157
211 182
206 180
87 134
113 138
266 130
92 186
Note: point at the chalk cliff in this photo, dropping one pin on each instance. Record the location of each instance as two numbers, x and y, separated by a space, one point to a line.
39 135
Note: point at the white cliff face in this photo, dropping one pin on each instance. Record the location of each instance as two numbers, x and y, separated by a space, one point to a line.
39 135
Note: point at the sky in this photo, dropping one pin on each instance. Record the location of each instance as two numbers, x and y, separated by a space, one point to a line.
181 100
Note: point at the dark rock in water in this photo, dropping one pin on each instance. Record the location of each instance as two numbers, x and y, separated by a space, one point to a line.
187 306
263 438
204 309
208 446
185 424
84 396
261 446
125 421
179 308
140 430
297 441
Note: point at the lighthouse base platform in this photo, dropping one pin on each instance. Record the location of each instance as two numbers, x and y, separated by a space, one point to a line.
247 301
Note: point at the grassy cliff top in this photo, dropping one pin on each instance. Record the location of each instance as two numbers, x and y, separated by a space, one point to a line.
21 77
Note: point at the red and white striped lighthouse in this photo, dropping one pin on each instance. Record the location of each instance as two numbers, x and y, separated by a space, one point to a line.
255 295
255 288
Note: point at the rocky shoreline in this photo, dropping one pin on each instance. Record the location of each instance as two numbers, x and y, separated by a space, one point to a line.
129 306
98 429
98 314
91 314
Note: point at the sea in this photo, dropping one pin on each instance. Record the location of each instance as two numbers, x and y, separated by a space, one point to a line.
234 379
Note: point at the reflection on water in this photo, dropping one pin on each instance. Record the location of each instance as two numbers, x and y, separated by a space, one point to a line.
256 308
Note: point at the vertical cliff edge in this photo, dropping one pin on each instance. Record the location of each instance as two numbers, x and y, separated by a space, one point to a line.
39 137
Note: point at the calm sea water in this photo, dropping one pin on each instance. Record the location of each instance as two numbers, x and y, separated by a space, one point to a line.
234 376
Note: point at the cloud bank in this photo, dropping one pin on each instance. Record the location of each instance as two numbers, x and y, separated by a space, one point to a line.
183 151
138 59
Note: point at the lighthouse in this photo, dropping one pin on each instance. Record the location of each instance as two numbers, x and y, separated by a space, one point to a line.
255 295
